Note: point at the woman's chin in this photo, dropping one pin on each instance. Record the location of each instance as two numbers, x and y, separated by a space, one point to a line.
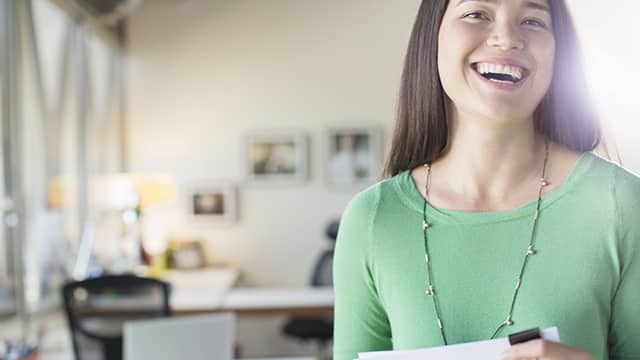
503 114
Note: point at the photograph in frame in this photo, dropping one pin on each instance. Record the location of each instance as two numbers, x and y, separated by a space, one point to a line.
353 156
277 156
212 203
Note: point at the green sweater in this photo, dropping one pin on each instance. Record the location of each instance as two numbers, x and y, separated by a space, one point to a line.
585 277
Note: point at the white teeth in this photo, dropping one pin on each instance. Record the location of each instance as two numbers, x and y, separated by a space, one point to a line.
515 71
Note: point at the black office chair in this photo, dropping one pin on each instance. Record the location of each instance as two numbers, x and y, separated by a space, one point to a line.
318 329
97 309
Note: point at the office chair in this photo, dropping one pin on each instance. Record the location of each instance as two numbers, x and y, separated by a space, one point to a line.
319 329
97 309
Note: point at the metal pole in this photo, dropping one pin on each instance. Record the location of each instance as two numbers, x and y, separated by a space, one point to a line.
15 225
7 208
82 118
121 75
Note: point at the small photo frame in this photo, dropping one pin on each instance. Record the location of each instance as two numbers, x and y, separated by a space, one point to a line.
213 203
186 255
353 156
277 156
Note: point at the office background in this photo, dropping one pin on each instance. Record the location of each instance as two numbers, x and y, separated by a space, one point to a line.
191 81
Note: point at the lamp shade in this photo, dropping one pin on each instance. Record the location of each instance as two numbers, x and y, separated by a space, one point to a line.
123 191
155 190
114 192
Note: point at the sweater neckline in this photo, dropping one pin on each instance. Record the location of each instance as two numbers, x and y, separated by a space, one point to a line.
411 197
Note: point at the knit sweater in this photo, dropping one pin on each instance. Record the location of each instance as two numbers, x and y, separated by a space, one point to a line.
584 278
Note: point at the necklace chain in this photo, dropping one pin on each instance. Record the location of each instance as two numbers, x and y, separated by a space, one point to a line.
431 290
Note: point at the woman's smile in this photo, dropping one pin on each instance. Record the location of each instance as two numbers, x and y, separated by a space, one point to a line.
501 73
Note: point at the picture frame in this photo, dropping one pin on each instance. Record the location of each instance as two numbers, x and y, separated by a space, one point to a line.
213 202
277 156
186 255
353 156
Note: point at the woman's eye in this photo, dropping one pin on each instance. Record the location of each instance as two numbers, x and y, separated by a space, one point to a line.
535 22
476 15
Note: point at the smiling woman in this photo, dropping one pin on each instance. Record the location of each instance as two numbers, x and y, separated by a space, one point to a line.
496 216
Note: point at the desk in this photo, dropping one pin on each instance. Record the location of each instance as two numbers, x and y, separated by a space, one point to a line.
200 289
288 301
261 301
210 290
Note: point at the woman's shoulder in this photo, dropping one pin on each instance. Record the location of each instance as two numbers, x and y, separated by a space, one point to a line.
361 212
369 199
626 186
621 177
622 183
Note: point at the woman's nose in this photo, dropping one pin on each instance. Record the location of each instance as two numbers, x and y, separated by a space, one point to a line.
506 37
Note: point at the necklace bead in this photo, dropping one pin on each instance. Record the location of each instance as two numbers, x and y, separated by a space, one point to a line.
429 292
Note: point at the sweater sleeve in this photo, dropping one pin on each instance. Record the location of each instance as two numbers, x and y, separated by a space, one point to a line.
361 322
625 317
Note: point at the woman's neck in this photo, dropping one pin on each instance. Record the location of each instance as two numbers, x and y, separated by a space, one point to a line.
488 163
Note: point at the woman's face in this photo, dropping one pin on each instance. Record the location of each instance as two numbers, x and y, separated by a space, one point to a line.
495 57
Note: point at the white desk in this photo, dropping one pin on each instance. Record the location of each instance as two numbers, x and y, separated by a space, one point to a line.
260 301
211 290
290 301
200 289
191 291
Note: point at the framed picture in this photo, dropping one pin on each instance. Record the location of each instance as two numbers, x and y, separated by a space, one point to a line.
214 203
353 156
277 155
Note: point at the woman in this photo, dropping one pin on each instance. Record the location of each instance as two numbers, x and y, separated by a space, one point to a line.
496 217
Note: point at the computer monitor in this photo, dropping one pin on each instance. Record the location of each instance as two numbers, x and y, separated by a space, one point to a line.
207 337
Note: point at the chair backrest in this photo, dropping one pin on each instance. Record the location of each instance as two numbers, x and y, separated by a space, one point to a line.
97 309
332 229
207 337
323 270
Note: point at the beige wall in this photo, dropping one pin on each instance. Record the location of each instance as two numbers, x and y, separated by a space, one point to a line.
203 73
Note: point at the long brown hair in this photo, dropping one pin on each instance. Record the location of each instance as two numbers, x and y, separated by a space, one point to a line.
565 115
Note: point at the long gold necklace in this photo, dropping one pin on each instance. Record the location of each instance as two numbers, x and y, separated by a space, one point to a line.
431 290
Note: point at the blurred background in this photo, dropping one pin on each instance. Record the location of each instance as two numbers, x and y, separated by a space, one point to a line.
199 140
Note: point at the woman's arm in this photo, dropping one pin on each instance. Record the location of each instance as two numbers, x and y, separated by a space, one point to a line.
624 332
361 322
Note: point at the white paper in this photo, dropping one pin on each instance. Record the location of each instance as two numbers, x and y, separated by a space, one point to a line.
487 349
